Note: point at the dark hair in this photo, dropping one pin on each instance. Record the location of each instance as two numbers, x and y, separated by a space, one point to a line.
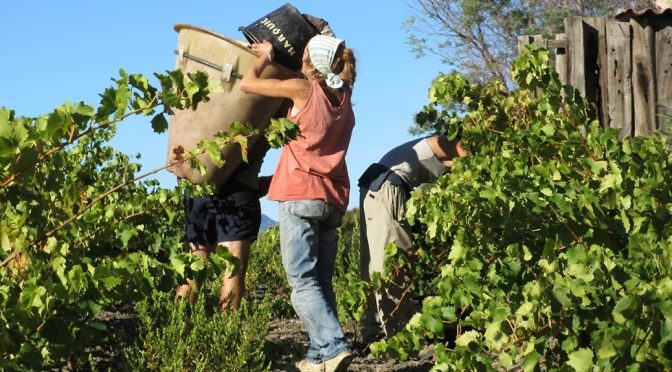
344 64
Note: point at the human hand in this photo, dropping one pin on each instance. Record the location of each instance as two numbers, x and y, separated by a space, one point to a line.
265 48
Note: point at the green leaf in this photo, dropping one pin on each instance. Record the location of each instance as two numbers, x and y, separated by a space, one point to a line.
489 194
178 264
58 265
531 361
110 281
5 244
607 349
126 235
562 295
214 153
198 264
570 344
548 129
581 360
456 251
575 254
524 309
561 203
94 307
433 325
596 167
623 305
215 86
98 325
159 123
494 337
505 360
466 338
610 181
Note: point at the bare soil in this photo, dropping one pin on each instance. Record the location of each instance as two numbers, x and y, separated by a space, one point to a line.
286 343
290 339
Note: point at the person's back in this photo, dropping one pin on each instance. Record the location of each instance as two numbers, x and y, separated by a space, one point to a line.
415 162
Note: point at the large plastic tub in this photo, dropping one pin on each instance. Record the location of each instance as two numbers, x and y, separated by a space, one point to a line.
227 59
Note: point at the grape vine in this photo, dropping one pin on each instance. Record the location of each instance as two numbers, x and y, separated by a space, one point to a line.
80 229
558 233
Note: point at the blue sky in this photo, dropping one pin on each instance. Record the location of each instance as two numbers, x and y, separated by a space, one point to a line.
58 51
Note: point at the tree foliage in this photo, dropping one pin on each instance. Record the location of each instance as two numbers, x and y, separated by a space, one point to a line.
558 234
479 37
80 229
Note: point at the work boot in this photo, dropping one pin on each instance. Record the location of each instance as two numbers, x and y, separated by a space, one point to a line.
305 365
339 363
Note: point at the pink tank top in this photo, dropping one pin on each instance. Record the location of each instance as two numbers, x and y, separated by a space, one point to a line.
312 167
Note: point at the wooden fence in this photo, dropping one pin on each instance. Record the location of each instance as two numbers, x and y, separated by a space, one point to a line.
623 65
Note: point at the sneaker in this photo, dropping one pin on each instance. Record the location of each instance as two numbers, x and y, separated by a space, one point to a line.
339 363
306 365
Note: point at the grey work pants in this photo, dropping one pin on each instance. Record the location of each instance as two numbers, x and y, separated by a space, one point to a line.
382 222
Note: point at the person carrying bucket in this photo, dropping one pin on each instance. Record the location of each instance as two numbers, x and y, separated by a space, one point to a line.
311 184
231 217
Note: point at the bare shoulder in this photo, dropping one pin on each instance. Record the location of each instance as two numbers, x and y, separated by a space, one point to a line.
298 90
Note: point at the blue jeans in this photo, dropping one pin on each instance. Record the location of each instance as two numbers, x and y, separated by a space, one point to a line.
308 238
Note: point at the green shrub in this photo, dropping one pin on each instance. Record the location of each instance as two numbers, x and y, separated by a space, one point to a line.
558 233
80 228
178 336
350 289
265 275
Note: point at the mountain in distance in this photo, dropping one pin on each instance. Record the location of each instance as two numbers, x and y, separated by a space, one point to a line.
266 222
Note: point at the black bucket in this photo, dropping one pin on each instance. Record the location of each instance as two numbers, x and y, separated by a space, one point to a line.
287 30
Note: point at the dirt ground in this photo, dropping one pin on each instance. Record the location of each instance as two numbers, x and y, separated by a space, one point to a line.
286 343
291 339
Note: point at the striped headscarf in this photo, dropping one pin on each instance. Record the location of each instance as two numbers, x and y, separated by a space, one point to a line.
321 50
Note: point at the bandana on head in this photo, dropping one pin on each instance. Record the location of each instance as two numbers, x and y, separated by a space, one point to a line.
321 50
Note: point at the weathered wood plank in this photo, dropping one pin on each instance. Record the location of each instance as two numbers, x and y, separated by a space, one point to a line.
624 68
664 75
561 58
619 77
583 46
598 37
575 53
643 80
523 41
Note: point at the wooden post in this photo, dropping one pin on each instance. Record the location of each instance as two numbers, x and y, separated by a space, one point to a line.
575 54
623 67
523 41
583 44
619 77
598 42
644 79
561 59
664 75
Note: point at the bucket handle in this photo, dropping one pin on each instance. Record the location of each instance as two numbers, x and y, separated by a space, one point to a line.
250 36
226 68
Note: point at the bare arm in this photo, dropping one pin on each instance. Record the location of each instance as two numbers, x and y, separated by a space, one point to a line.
295 89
